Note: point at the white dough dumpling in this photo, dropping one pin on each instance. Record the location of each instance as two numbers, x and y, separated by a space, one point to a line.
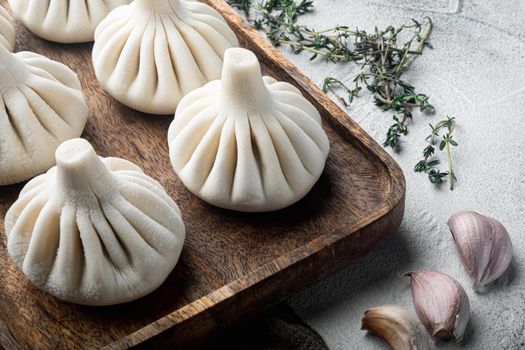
41 105
245 142
94 231
151 53
63 21
7 30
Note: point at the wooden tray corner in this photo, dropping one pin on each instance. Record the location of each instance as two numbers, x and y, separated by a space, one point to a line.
233 265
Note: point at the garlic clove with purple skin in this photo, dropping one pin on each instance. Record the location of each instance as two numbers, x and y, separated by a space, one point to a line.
440 303
483 244
400 328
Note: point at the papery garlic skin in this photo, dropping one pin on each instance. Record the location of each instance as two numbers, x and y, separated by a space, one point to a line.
7 30
441 304
483 244
400 328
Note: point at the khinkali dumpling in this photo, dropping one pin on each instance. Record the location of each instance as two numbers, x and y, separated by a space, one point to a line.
94 231
246 142
41 105
63 21
151 53
7 31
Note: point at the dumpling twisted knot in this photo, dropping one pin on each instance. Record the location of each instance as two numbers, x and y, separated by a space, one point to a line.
41 105
94 231
63 21
151 53
246 142
7 30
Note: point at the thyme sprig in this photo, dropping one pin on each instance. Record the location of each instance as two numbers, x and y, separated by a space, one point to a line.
383 60
382 64
243 5
383 56
429 163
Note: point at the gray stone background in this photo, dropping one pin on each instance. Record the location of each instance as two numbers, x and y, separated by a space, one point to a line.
476 73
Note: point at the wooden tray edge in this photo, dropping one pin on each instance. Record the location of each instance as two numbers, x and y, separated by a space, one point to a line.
220 309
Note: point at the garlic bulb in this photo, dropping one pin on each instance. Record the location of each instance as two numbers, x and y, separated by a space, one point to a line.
94 231
63 21
483 244
245 142
7 30
441 304
41 105
151 53
399 328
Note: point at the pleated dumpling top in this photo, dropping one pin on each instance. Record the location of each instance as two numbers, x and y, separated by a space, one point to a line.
7 30
246 142
151 53
63 21
94 231
41 105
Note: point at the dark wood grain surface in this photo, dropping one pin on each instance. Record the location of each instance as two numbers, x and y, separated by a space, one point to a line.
233 265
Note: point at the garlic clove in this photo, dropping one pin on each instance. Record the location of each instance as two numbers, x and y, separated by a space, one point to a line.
400 328
441 304
483 244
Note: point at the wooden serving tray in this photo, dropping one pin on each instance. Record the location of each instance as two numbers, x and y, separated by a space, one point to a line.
233 265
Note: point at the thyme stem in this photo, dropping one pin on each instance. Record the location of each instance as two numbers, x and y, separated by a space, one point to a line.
383 59
429 163
449 162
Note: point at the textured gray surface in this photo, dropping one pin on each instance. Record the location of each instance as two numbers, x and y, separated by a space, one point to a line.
476 73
